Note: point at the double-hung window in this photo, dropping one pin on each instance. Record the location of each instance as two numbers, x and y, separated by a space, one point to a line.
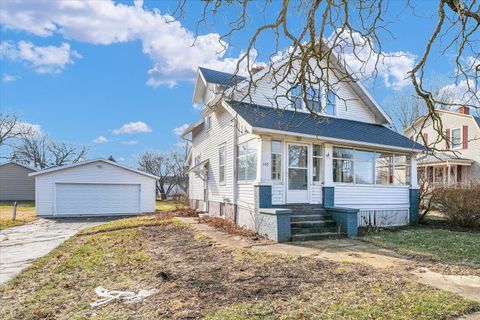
364 161
329 102
197 159
221 165
276 160
456 138
321 100
247 161
342 165
297 98
317 163
384 168
208 122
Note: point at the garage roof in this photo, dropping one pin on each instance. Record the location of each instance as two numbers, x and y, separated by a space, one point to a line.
92 161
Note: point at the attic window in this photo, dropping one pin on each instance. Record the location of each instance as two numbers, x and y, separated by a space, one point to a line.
208 122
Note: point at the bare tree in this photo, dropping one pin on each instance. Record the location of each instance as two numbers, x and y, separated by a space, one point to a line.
180 171
40 152
12 128
160 165
321 35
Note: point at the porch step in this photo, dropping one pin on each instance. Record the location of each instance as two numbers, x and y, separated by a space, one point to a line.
320 211
306 227
318 236
310 217
313 223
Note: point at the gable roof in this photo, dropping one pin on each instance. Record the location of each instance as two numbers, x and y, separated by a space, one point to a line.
26 166
78 164
458 114
477 119
328 128
219 77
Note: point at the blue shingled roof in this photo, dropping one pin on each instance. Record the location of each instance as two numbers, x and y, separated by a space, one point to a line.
322 126
219 77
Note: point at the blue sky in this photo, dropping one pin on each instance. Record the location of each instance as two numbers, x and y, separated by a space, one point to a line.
102 77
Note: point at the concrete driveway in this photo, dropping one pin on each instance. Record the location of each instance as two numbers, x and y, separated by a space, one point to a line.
20 246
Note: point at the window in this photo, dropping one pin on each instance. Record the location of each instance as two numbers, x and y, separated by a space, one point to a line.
208 122
247 161
221 165
317 163
384 168
197 159
370 167
401 169
364 164
330 103
276 160
456 138
342 165
296 97
314 99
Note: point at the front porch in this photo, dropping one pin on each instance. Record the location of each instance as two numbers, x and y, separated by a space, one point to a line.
443 170
309 189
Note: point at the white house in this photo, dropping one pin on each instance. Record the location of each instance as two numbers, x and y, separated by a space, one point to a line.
460 163
94 187
290 175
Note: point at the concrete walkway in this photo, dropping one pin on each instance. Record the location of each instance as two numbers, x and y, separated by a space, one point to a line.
349 250
20 246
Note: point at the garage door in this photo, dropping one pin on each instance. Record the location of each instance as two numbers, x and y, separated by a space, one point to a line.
86 198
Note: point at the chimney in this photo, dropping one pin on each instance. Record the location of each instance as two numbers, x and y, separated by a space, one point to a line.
255 69
464 110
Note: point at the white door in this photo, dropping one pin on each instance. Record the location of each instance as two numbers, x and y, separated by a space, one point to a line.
297 173
93 199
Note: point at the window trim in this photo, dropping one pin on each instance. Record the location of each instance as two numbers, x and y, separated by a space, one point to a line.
220 166
322 99
460 145
322 166
208 122
199 157
281 160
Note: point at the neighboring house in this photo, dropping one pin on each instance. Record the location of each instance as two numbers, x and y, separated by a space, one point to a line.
15 184
282 171
460 162
94 187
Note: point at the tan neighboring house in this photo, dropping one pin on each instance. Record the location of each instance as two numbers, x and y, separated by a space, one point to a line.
460 163
15 184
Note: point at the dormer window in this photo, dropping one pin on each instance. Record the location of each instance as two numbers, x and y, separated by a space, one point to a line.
321 100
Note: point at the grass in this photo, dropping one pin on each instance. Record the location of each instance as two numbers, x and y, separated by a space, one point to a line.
209 281
439 244
25 213
168 205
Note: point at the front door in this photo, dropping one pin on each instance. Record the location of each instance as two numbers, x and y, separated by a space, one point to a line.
297 173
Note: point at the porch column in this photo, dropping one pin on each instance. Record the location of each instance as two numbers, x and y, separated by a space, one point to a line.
448 174
414 192
264 160
328 192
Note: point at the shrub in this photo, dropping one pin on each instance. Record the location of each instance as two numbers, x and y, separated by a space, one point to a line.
460 205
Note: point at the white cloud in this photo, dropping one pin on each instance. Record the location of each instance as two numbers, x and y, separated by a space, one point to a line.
100 139
130 142
174 50
463 92
9 78
364 60
121 159
48 59
133 127
33 129
179 130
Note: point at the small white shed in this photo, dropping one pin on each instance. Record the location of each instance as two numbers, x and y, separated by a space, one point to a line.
94 187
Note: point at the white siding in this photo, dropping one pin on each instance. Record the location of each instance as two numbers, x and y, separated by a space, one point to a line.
315 194
371 197
206 144
277 193
96 172
246 195
349 105
15 184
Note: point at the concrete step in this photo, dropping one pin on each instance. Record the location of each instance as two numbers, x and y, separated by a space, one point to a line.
318 236
311 230
311 224
310 217
309 211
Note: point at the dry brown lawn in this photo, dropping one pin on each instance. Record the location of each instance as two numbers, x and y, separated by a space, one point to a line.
198 278
25 213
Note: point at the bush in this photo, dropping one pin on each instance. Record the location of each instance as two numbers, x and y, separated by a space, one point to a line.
460 205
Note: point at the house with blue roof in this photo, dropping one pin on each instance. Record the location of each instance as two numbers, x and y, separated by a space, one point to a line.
458 163
296 169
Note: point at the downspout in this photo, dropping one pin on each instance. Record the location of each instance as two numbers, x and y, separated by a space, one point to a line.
234 185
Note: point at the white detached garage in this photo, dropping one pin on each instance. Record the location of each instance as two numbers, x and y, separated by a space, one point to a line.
95 187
